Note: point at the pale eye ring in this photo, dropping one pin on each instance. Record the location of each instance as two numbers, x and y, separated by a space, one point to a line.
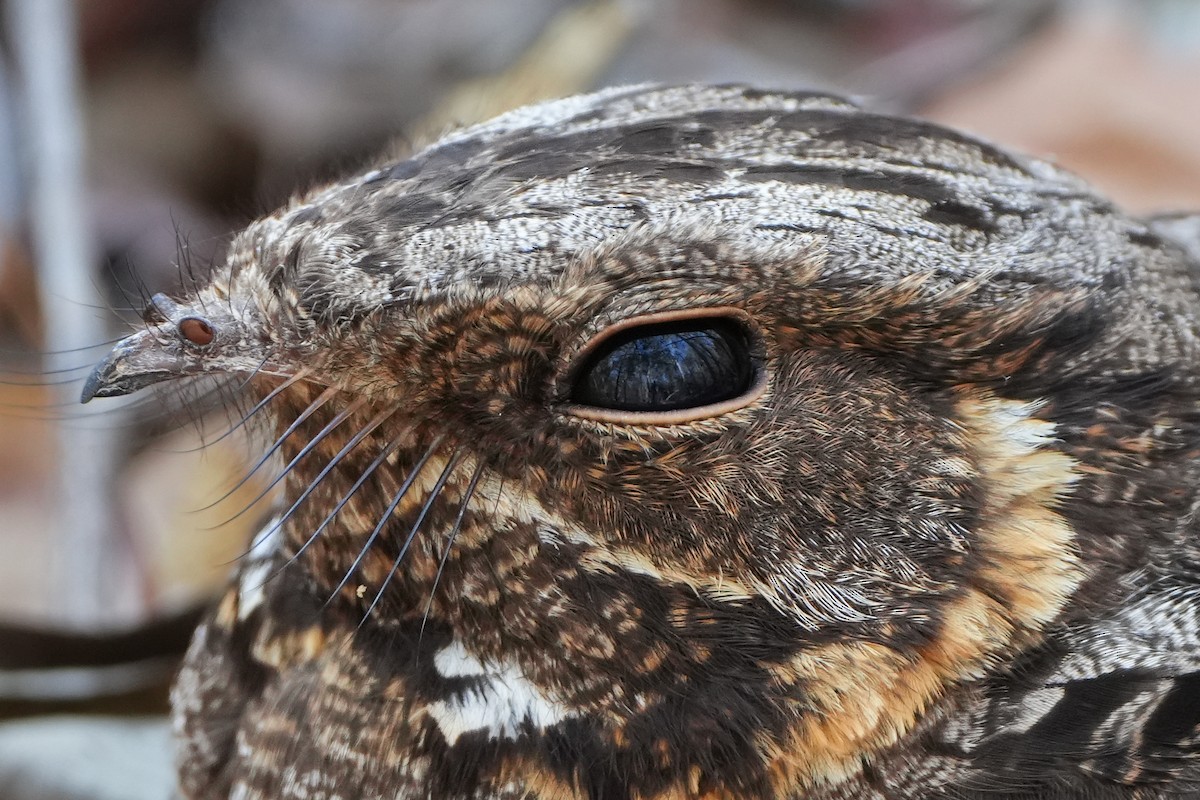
197 330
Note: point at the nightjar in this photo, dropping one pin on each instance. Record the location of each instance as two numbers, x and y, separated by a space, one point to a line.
703 442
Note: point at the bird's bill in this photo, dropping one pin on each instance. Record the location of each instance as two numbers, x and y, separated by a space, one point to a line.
134 363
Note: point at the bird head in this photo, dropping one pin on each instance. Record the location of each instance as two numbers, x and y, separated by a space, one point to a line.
695 440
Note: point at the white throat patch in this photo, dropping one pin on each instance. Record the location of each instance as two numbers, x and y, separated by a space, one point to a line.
502 704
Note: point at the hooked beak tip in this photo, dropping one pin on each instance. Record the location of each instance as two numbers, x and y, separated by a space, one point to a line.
106 379
92 387
131 365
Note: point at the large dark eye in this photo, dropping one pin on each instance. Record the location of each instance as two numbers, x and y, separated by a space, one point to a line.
666 367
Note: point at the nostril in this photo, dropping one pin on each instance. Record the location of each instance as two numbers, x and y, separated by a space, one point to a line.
196 330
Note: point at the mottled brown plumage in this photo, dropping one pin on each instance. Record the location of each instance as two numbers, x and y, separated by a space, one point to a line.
926 529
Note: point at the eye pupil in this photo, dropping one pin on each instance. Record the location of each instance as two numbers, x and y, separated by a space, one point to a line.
666 367
196 330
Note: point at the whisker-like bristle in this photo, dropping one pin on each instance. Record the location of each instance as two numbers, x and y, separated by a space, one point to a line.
341 417
8 351
312 408
49 413
464 503
374 465
400 494
254 373
62 382
136 298
362 554
334 461
366 473
248 415
15 369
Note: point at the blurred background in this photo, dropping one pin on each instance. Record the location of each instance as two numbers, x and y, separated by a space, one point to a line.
137 135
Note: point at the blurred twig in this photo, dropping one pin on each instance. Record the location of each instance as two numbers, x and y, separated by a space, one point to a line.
44 40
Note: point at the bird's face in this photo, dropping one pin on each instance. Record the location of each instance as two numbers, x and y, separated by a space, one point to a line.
721 482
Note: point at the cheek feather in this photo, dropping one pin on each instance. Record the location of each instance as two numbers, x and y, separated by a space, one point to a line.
869 696
1027 548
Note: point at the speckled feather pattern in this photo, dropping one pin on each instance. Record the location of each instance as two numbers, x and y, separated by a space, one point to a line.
947 549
